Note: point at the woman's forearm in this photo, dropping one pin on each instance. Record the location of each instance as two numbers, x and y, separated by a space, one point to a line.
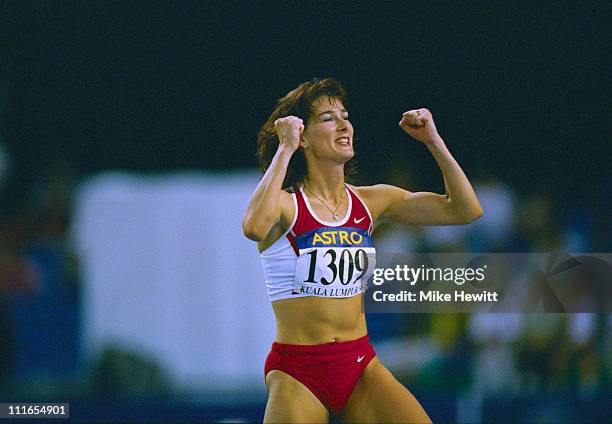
461 195
264 210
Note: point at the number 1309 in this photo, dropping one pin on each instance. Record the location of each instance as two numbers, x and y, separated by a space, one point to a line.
342 266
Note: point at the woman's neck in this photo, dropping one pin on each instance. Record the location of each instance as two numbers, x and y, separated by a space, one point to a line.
327 184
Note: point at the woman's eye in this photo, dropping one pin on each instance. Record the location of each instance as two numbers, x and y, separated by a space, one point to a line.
328 118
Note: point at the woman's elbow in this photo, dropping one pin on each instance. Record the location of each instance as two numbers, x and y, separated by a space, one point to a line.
473 215
251 232
254 231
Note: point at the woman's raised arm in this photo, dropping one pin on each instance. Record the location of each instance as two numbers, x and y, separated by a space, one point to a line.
269 200
458 206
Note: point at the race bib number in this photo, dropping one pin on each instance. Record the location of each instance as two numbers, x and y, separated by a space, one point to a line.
334 262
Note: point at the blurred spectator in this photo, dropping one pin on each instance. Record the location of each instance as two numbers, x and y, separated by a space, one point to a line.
492 231
494 336
5 167
18 276
577 235
453 371
604 350
587 332
543 353
537 226
6 345
39 278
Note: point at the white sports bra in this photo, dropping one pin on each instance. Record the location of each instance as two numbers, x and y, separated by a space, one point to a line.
320 258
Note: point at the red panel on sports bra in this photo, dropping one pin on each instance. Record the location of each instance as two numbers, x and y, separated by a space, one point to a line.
359 216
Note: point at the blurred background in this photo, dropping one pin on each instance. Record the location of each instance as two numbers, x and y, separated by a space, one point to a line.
127 139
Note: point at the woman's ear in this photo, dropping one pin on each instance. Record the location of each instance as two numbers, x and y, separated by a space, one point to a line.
303 143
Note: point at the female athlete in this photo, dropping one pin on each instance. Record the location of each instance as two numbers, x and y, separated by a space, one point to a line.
314 234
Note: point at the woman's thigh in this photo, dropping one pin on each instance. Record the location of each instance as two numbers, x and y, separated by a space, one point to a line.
380 398
290 401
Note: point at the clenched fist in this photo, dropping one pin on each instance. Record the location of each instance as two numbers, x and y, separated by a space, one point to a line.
288 130
419 124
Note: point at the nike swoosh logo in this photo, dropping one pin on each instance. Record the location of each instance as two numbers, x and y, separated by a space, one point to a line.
357 221
360 358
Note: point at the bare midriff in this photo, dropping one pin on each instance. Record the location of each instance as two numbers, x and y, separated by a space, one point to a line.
317 320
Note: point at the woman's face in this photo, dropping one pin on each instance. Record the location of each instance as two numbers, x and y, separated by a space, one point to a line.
328 134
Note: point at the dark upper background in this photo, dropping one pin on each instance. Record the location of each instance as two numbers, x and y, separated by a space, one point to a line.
517 89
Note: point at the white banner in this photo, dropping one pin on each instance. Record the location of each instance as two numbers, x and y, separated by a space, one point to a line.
167 273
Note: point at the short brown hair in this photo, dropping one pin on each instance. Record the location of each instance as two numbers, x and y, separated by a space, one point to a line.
298 102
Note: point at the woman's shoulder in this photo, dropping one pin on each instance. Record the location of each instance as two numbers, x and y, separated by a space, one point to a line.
376 197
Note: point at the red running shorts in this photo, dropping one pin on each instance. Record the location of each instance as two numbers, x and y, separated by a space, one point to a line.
330 370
